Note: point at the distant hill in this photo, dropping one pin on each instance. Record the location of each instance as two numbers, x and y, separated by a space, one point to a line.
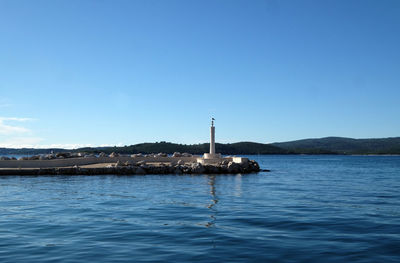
21 151
340 145
167 147
328 145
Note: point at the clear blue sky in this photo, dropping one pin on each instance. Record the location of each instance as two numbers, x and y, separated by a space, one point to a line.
87 72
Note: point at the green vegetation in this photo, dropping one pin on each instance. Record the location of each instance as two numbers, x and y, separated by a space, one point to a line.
167 147
28 151
329 145
339 145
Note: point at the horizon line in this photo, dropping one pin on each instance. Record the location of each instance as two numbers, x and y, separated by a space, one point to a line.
65 146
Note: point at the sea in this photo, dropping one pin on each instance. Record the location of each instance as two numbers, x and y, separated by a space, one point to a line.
306 209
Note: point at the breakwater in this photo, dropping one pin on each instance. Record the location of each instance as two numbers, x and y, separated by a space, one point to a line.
134 164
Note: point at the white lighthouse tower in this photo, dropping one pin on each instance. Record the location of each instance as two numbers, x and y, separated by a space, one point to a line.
212 137
212 154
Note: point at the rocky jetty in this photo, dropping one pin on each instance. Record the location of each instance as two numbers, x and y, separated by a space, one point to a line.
114 163
142 168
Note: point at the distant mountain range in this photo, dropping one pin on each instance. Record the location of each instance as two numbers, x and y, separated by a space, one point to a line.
328 145
340 145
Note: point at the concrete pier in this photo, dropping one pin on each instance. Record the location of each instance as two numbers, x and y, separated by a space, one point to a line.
128 165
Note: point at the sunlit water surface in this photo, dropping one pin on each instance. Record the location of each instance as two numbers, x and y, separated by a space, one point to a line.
307 209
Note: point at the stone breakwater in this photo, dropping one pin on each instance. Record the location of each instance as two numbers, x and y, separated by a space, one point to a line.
142 169
66 164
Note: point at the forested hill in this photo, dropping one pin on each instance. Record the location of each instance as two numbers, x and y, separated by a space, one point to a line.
167 147
328 145
340 145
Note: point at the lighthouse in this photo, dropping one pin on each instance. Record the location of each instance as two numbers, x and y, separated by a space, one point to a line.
212 154
212 137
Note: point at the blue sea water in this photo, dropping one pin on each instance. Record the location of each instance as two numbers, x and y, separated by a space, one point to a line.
307 209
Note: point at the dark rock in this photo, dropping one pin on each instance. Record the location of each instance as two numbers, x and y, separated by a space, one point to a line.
178 170
254 166
198 168
63 155
233 167
140 170
177 154
212 169
34 157
50 156
225 162
127 163
113 155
